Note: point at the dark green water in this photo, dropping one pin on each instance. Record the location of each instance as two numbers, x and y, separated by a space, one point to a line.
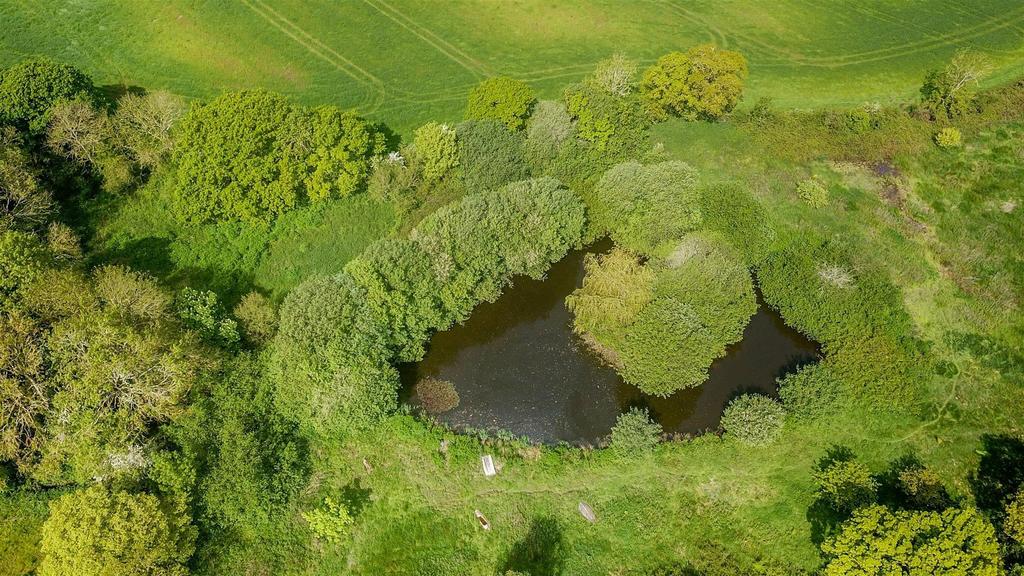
518 366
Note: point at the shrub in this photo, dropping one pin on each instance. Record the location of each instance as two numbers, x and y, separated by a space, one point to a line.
490 155
251 155
646 209
201 310
101 531
397 179
954 542
29 89
634 432
547 131
615 126
754 419
437 396
615 75
812 191
948 137
845 484
616 287
258 318
705 83
701 304
437 150
502 99
332 522
331 359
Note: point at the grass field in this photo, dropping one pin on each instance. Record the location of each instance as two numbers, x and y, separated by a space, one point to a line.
407 61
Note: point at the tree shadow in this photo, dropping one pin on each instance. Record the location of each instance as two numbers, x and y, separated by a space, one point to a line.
541 552
823 518
1000 472
355 497
893 490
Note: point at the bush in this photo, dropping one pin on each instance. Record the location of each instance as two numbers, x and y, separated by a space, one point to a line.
502 99
30 89
252 155
258 318
813 192
754 419
490 155
100 531
200 310
437 150
634 432
948 137
705 83
437 396
398 180
701 304
646 209
547 131
949 93
332 522
845 484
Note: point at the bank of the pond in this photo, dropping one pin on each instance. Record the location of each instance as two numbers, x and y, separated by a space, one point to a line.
518 367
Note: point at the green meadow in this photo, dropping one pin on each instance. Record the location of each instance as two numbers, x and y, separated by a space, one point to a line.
407 61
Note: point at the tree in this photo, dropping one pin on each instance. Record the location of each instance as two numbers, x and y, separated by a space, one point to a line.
258 318
1013 522
634 432
331 359
201 310
252 155
845 484
144 123
503 99
24 392
616 287
646 209
24 203
98 531
490 155
705 83
701 303
436 147
547 130
615 75
754 419
954 542
30 89
948 93
615 126
78 131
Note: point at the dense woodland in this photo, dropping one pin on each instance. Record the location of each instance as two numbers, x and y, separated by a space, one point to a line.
171 407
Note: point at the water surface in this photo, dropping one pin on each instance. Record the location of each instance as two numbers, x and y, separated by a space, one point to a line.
518 366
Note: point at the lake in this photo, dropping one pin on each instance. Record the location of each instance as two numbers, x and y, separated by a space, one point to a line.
518 366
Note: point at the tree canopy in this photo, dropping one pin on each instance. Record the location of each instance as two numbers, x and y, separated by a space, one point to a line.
30 88
503 99
252 155
704 83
